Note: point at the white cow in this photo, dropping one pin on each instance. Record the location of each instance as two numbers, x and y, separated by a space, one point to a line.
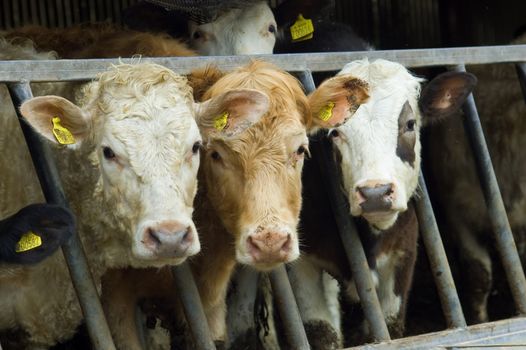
230 29
130 176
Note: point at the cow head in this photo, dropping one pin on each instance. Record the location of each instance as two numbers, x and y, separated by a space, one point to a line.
253 181
379 147
139 129
241 31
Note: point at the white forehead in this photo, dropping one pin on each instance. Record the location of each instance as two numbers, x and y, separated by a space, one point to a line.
248 18
390 83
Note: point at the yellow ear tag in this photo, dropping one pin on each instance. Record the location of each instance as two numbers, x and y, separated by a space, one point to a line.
28 241
221 121
302 29
326 112
63 135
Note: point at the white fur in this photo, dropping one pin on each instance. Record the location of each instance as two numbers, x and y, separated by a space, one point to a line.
389 301
316 294
243 31
368 141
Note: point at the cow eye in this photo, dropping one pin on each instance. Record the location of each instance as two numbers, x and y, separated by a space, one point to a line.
215 155
301 150
334 133
410 126
196 35
196 147
272 28
108 153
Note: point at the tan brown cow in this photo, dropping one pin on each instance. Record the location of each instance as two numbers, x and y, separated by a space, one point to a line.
247 207
100 41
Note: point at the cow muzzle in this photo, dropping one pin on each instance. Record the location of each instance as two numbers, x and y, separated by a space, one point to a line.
375 196
170 239
269 247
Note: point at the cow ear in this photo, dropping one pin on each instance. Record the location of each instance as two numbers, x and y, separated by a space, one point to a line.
57 119
445 94
230 113
336 100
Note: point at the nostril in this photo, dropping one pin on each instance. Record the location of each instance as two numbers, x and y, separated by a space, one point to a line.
187 237
376 192
252 245
287 245
154 237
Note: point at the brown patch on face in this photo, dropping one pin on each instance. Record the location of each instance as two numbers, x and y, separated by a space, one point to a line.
405 147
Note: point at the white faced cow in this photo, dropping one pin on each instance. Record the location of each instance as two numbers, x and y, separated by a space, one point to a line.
378 151
128 162
227 28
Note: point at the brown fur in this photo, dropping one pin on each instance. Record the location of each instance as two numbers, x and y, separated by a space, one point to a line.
256 168
101 41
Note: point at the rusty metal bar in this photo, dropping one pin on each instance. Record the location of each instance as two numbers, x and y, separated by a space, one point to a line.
437 259
73 252
73 70
193 309
521 72
322 151
496 210
288 309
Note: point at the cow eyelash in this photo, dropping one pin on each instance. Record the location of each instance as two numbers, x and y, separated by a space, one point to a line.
410 125
302 150
334 133
108 153
215 155
196 147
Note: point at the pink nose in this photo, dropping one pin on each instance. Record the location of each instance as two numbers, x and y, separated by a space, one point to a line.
168 239
269 246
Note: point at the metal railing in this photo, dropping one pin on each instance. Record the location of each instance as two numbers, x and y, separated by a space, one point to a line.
18 73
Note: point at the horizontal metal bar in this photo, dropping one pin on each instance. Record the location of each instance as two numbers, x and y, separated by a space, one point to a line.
68 70
496 210
321 151
192 307
288 309
73 252
511 331
438 259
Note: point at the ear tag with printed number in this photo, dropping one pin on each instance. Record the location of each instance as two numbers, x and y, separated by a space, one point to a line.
221 121
326 111
302 29
28 241
62 134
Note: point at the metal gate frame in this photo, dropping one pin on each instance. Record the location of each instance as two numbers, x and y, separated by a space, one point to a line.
18 74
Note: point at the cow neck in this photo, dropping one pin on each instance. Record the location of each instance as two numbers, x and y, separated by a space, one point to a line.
214 265
395 238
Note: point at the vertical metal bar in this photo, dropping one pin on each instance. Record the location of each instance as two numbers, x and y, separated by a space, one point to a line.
521 72
140 325
496 210
193 309
241 303
73 251
288 309
438 259
322 151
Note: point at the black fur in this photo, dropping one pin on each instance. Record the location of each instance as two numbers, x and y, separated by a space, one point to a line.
53 223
